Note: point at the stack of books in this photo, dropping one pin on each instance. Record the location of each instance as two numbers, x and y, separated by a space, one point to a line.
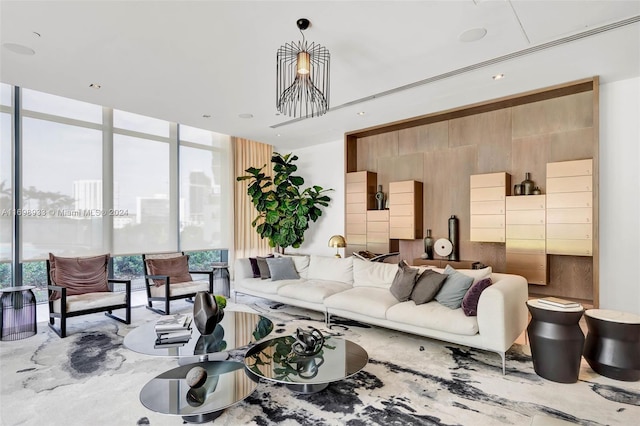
173 330
558 303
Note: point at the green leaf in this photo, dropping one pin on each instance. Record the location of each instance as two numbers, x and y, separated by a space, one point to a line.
272 217
296 180
272 205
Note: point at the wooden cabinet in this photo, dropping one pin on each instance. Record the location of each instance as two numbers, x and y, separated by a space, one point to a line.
378 233
569 223
360 197
405 210
525 238
487 200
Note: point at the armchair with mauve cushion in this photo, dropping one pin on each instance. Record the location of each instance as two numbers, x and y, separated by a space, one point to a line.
167 277
80 286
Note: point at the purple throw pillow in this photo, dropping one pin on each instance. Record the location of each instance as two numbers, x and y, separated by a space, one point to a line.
472 297
254 267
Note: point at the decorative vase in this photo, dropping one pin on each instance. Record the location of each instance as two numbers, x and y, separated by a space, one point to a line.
308 343
206 313
454 238
428 245
537 191
380 198
517 189
527 184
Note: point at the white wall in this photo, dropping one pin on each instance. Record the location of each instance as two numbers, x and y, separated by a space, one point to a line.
322 165
620 195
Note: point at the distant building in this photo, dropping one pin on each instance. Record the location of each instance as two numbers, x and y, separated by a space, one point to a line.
87 194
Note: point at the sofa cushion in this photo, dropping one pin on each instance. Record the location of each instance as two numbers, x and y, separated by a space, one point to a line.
428 284
282 268
300 261
369 301
454 288
314 291
373 274
254 267
476 274
433 316
176 268
79 274
263 267
472 297
83 302
331 269
263 286
403 282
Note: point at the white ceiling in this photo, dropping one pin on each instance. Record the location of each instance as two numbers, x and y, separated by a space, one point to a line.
178 60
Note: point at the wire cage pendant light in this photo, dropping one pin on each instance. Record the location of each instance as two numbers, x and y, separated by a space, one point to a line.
302 77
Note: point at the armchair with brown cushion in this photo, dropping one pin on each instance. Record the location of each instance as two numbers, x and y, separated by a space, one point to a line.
79 286
167 277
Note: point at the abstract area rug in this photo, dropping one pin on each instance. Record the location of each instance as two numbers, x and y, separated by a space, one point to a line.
89 378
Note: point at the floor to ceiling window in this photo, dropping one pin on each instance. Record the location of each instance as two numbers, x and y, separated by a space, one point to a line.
98 180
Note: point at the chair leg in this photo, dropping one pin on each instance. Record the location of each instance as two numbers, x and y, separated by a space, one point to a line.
166 306
156 310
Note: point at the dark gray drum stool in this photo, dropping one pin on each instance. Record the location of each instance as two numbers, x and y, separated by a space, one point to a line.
612 348
556 341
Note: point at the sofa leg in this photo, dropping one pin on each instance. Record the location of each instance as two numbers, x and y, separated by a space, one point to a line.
503 355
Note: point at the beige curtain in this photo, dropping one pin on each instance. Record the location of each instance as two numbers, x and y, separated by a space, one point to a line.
248 153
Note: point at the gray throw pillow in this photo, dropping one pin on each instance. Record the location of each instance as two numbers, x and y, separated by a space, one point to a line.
263 267
428 284
454 288
282 268
403 282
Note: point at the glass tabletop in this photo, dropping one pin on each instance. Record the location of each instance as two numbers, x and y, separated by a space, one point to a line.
226 384
237 329
275 360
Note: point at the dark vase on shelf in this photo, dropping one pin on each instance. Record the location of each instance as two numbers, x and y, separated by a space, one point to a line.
380 198
527 184
517 189
537 191
206 313
428 245
454 238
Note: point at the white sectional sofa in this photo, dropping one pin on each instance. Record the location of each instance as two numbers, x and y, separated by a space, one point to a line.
359 290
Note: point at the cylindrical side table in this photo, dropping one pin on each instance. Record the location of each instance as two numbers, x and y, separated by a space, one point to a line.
612 348
556 341
17 313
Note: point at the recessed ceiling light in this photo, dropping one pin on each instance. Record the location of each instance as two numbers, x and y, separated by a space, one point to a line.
498 76
37 34
474 34
19 49
245 115
361 113
95 86
206 115
278 135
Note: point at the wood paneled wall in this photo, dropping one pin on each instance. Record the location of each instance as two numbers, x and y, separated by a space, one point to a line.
518 134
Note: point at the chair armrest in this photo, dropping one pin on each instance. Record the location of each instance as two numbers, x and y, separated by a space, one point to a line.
57 288
202 272
127 284
156 277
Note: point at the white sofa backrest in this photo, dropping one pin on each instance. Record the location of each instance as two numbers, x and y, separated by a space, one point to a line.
331 269
373 274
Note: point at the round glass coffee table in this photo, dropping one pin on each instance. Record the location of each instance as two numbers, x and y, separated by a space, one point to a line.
275 360
226 384
237 329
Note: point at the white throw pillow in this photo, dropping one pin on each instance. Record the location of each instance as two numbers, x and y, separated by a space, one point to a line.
373 274
477 274
331 269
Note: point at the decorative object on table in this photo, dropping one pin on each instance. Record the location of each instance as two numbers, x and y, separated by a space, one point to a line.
197 395
285 210
206 313
308 343
558 303
210 343
454 238
196 377
537 191
302 77
338 242
443 247
517 189
173 330
527 184
428 246
380 198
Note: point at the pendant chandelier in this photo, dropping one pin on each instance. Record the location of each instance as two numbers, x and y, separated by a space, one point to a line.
302 77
